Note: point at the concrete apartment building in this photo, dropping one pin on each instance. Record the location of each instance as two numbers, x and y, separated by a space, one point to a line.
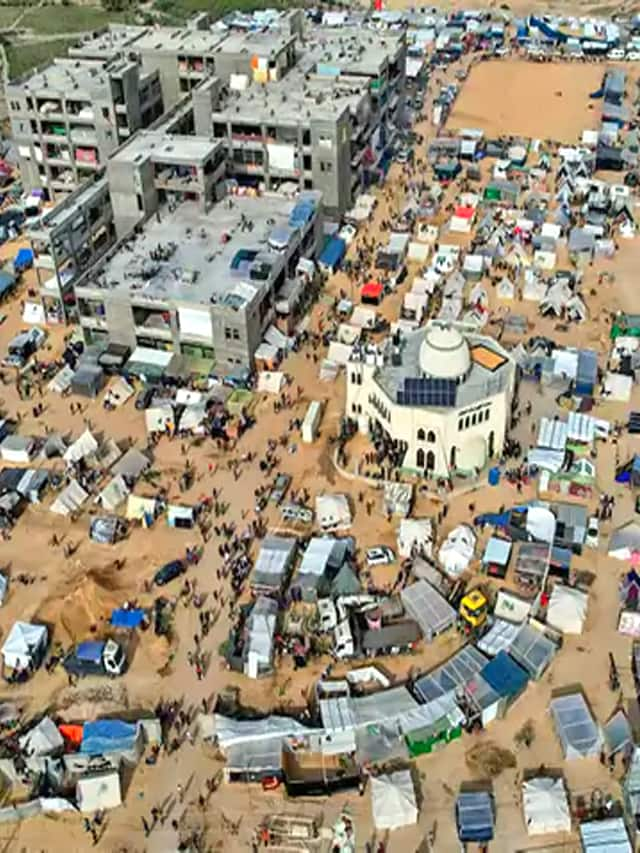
69 239
69 117
328 123
206 285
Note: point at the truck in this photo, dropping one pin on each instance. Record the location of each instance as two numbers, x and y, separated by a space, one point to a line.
96 658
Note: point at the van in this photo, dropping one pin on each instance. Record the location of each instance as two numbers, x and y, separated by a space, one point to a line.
296 513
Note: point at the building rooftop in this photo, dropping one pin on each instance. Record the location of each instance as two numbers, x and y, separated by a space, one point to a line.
294 98
162 147
107 43
188 256
179 40
351 50
262 43
73 78
403 378
65 210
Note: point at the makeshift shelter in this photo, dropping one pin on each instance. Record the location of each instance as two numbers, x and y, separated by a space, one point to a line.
25 646
88 380
107 530
489 693
42 740
625 541
415 535
113 494
456 552
274 561
429 608
452 675
148 364
132 465
102 737
183 517
393 800
260 627
577 731
617 733
141 508
83 447
98 791
17 449
605 836
533 650
546 806
333 512
475 818
371 293
270 382
497 554
567 609
70 499
62 380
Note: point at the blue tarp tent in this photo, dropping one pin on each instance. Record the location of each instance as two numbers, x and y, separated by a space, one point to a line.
504 676
127 618
547 30
587 373
102 736
332 254
7 282
23 260
474 816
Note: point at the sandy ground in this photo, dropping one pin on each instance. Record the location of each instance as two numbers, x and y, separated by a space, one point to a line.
74 594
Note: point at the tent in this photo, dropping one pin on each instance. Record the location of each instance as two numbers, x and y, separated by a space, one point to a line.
62 380
88 380
567 609
132 465
25 645
415 533
546 806
456 552
120 391
127 618
429 608
183 517
270 382
70 499
605 836
475 816
393 800
99 791
17 449
625 541
141 508
333 512
84 446
104 736
43 739
371 292
577 731
113 494
106 530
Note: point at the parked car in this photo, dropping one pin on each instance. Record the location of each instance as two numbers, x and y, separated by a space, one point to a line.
380 555
296 512
592 536
169 572
144 398
616 53
327 613
280 488
633 56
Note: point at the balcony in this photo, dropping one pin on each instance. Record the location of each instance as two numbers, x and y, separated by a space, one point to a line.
183 179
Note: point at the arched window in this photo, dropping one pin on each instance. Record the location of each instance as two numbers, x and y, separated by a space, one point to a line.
431 460
420 458
420 434
467 420
473 419
431 437
492 443
452 460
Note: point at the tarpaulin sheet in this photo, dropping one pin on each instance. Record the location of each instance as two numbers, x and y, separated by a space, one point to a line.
71 733
102 736
121 618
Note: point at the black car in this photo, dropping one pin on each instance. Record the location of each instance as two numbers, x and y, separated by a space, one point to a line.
169 572
144 398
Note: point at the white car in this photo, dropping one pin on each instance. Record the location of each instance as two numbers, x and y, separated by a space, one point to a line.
633 55
592 536
616 53
328 614
380 555
348 233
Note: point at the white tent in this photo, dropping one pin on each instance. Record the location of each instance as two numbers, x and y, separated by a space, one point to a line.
415 533
567 609
114 493
541 523
545 804
62 380
43 739
99 791
120 391
270 381
456 552
82 447
25 643
140 507
617 387
393 800
70 499
333 512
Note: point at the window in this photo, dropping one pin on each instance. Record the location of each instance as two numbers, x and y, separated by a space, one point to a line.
486 414
326 166
431 460
139 202
236 335
431 437
467 420
460 425
105 113
473 419
421 434
420 458
227 333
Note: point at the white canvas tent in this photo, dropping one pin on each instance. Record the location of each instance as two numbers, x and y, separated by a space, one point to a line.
114 493
567 609
70 499
415 533
393 800
25 643
62 380
99 791
270 381
546 807
456 552
84 446
333 512
140 507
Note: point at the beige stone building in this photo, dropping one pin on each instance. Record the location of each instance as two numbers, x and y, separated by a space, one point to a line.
441 395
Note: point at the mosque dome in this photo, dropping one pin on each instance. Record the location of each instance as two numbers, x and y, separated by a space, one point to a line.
444 353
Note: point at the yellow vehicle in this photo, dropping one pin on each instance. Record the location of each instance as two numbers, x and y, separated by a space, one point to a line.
474 609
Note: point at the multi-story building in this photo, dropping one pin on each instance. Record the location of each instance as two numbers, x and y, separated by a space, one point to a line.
328 123
69 117
440 398
206 285
67 240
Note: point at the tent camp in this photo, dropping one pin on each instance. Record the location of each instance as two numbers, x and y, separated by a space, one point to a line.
567 609
576 729
546 806
393 800
99 791
25 646
456 552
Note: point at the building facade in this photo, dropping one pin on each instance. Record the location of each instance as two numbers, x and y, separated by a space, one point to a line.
69 117
440 396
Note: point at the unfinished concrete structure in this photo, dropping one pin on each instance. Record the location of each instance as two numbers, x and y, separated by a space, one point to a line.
68 118
204 285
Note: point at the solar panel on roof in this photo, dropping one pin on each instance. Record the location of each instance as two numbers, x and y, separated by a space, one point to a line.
428 392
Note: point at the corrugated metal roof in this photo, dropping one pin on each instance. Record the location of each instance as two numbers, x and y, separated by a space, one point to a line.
605 836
